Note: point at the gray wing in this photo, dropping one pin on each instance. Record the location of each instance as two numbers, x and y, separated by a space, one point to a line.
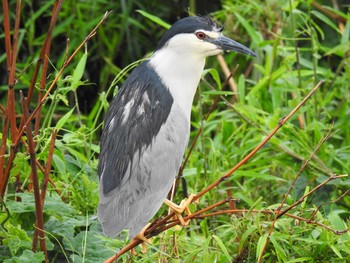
133 119
151 176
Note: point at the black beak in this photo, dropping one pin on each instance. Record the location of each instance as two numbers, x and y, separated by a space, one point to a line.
228 44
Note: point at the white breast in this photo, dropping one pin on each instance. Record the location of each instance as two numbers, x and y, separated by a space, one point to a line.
180 70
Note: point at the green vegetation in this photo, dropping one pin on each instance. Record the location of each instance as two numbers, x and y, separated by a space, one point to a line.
298 44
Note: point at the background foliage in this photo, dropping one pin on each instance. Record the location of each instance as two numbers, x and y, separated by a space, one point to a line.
297 44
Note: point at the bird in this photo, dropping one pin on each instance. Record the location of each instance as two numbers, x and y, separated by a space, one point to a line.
147 125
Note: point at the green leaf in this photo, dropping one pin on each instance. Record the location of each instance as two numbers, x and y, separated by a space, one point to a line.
59 163
64 119
27 257
256 38
244 237
79 71
261 245
325 19
215 75
336 251
279 249
154 19
223 247
218 92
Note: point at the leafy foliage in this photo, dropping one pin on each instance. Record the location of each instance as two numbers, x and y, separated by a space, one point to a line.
298 43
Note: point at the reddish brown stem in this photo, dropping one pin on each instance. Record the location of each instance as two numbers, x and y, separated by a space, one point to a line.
48 167
278 213
38 206
7 30
268 212
11 113
252 153
45 56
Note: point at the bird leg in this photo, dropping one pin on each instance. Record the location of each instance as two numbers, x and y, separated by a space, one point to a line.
179 209
141 236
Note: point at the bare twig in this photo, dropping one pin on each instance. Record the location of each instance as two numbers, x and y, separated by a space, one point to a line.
48 167
38 205
302 168
45 57
252 153
5 8
230 81
332 201
269 212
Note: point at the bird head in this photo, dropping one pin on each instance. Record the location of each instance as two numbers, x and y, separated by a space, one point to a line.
199 36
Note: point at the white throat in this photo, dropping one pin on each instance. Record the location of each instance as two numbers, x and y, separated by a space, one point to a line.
180 71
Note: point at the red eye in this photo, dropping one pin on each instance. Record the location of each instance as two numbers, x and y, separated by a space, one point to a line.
200 35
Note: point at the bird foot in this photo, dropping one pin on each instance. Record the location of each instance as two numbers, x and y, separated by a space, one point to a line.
179 209
141 236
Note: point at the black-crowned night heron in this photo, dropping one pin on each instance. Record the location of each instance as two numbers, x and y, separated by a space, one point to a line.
147 126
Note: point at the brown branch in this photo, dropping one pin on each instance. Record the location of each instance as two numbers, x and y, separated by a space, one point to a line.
252 153
44 184
38 206
48 167
333 177
302 168
45 56
332 201
268 212
10 108
44 48
7 32
228 74
328 12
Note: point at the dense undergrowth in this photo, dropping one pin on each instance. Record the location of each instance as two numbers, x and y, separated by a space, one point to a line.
298 43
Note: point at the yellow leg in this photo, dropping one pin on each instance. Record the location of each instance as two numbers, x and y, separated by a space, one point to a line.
141 236
179 209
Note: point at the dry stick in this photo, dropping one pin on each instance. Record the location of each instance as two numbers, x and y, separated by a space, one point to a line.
5 8
268 212
10 108
10 114
329 202
302 168
153 229
228 75
48 167
44 184
42 169
46 51
44 47
44 56
283 148
3 151
333 177
252 153
136 242
38 207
